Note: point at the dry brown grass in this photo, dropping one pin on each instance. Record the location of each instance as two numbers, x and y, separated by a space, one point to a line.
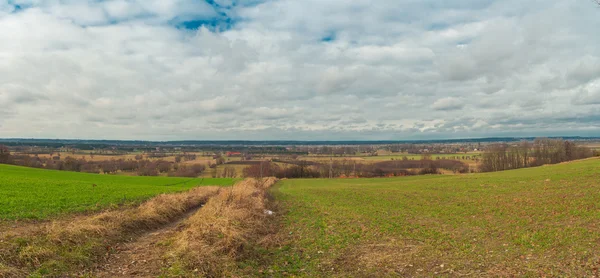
224 230
62 246
151 214
7 271
385 258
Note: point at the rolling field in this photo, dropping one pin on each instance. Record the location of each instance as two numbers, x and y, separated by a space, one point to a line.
532 222
27 193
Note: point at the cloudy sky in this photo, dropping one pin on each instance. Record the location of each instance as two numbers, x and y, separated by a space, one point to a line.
298 69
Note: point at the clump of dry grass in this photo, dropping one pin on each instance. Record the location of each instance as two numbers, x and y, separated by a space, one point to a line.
224 229
7 271
62 245
154 213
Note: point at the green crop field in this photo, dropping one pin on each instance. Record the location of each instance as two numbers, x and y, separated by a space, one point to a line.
532 222
38 194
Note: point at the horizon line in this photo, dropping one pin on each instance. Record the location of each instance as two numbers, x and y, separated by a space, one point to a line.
287 140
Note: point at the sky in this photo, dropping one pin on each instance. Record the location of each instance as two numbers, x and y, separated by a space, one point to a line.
298 69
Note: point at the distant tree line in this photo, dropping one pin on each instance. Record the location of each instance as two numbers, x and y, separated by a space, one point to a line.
371 150
499 157
351 168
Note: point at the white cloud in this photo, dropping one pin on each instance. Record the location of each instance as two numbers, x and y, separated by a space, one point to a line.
448 103
588 96
294 69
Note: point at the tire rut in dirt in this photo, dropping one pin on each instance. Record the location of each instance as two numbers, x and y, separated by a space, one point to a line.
144 255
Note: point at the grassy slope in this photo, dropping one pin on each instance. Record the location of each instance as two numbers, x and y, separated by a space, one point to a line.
38 194
527 222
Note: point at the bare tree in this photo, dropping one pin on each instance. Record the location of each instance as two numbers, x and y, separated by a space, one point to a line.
426 156
499 157
262 169
229 172
4 154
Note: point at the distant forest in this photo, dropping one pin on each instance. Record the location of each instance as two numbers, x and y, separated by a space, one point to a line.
500 157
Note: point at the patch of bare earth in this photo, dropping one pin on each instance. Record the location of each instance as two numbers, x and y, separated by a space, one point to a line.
387 258
143 256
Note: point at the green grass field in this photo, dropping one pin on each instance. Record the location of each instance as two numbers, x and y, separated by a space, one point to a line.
27 193
532 222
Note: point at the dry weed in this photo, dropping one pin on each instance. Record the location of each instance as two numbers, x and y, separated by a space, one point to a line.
9 272
383 258
154 213
226 227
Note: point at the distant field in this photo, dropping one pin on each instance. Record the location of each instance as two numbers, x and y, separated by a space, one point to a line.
239 169
532 222
458 156
130 156
468 157
27 193
209 172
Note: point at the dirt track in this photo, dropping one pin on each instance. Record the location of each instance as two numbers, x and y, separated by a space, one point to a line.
144 255
143 241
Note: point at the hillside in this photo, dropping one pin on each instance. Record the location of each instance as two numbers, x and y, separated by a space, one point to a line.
532 222
541 221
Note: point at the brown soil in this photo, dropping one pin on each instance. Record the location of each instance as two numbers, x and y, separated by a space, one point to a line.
143 256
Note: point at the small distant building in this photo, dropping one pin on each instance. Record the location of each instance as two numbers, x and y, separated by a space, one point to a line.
230 154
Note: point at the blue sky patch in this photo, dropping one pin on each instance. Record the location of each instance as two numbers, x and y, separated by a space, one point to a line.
214 24
17 7
328 38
